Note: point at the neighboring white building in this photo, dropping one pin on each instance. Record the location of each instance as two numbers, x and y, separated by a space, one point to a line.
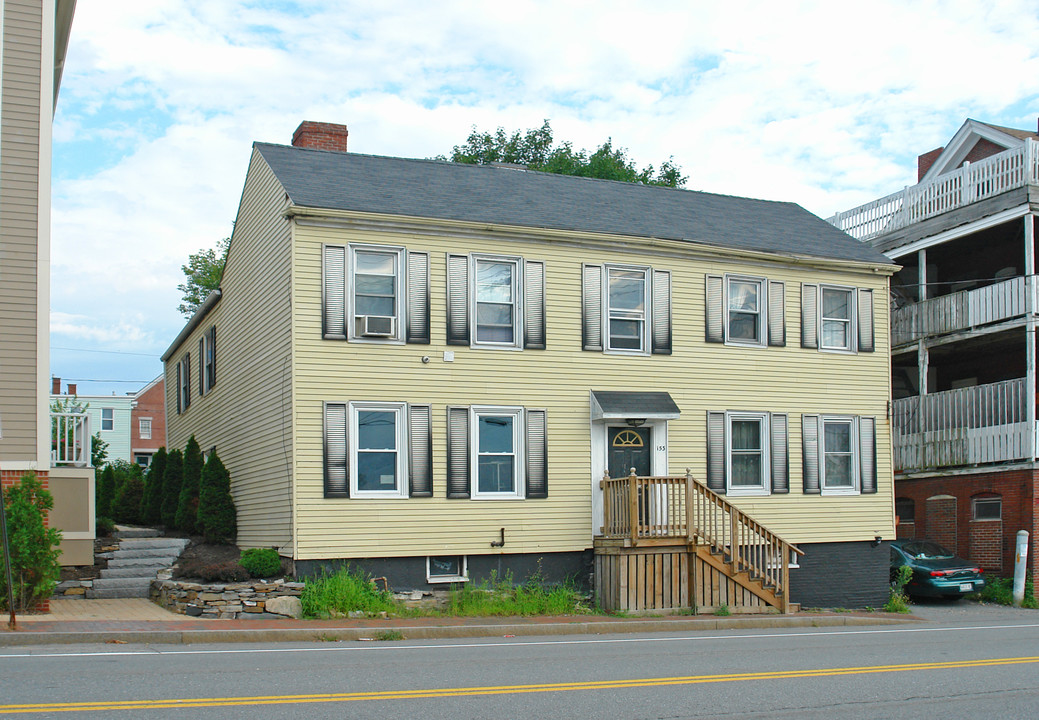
109 417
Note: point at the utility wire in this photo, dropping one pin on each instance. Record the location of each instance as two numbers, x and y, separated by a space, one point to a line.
111 352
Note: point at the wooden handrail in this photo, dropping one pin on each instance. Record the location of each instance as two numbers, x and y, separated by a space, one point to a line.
639 508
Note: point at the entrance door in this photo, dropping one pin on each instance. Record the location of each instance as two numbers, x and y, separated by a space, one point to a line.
628 448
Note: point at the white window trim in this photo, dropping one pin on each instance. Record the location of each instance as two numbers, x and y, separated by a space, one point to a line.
401 436
762 284
647 312
517 301
765 488
519 451
853 329
464 577
399 301
140 428
856 480
110 419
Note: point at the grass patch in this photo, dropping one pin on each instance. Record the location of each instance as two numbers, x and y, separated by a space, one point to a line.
389 636
722 611
344 591
500 597
1000 591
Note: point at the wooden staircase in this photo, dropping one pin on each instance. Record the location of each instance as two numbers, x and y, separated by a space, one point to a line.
670 543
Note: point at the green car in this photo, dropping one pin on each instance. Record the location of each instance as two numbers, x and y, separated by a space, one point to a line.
937 572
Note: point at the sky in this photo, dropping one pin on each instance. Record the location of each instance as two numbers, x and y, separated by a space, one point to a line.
825 104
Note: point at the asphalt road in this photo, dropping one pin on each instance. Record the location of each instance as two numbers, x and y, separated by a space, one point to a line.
964 661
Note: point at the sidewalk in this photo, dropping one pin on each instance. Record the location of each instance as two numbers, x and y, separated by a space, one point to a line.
141 621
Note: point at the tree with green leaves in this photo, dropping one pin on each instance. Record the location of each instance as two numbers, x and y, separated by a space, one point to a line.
187 505
534 149
33 546
104 494
171 480
217 517
151 503
202 273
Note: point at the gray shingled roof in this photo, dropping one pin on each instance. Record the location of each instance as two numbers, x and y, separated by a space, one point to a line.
509 196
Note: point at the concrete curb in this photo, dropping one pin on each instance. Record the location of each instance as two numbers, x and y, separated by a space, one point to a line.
319 633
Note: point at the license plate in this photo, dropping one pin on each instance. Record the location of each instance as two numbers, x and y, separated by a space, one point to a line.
966 587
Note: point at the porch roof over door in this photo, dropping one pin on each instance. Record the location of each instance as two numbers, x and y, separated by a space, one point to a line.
624 405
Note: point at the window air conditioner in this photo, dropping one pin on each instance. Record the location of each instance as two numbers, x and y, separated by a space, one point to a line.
375 326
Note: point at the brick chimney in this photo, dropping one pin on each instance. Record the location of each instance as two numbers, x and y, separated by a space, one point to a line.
72 389
925 161
55 386
320 136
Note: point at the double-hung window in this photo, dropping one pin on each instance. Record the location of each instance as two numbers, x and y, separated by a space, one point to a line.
378 450
626 309
495 301
496 453
107 418
747 453
837 319
375 293
744 310
145 428
207 361
498 443
840 454
184 383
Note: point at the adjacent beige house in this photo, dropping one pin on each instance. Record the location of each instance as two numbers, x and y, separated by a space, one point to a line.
32 53
437 372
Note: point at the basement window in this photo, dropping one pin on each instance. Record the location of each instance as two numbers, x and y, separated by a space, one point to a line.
989 508
446 569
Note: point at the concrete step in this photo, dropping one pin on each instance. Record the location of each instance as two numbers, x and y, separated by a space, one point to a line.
156 562
118 583
150 543
125 531
142 553
109 593
132 571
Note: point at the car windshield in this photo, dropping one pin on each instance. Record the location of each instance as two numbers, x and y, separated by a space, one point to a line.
926 550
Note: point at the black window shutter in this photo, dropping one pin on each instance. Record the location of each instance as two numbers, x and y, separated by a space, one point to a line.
418 298
662 312
866 334
420 451
716 451
810 442
591 307
810 316
715 303
333 296
337 468
212 351
868 454
776 314
780 453
187 380
180 393
537 454
457 299
458 452
534 305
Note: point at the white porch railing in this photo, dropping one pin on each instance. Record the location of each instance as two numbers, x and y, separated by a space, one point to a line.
973 182
71 440
962 310
967 426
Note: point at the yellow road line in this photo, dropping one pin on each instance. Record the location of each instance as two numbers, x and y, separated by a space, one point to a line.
501 689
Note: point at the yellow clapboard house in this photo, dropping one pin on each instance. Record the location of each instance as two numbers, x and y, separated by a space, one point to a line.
435 371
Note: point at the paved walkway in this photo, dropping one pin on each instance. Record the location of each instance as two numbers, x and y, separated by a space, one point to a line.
140 621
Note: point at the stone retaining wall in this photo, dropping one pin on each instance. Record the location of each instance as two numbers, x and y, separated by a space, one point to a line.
256 599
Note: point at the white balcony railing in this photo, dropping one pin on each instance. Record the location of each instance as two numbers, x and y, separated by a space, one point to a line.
986 178
966 426
71 439
962 310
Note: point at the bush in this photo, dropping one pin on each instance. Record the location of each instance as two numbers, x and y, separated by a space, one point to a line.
104 527
151 503
33 547
332 595
187 504
229 571
1000 591
898 601
104 492
127 506
261 562
217 519
171 480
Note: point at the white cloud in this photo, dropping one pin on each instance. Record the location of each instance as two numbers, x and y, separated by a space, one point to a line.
824 104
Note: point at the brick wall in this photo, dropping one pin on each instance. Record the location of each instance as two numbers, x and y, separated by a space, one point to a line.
986 544
940 519
320 136
983 149
1019 490
9 478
